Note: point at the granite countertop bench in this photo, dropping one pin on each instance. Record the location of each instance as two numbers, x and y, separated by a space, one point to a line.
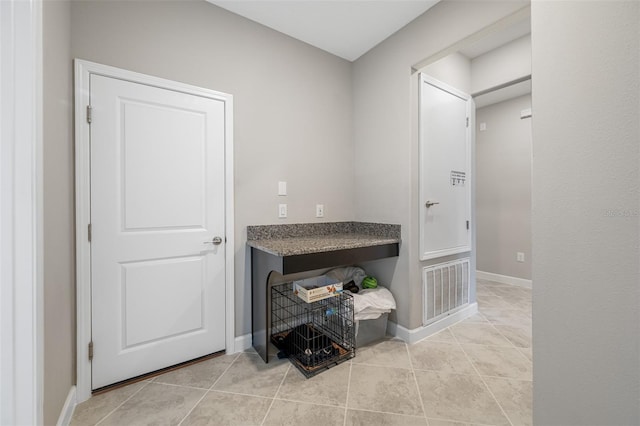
307 238
305 248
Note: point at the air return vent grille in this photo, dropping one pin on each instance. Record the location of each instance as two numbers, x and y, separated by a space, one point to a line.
445 288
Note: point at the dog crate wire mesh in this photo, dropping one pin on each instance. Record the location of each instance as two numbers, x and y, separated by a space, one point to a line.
314 336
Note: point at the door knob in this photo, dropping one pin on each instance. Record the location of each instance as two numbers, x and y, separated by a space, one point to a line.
215 241
431 203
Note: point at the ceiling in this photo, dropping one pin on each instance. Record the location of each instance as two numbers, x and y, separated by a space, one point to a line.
345 28
350 28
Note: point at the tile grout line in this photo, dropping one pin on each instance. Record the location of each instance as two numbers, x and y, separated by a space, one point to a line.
393 414
483 296
508 301
512 344
319 404
225 370
380 366
206 391
472 375
517 348
194 406
240 394
458 421
503 336
123 402
273 400
415 380
346 401
508 346
483 381
511 305
354 409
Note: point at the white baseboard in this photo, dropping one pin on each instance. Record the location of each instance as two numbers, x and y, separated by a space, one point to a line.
417 334
504 279
242 343
68 408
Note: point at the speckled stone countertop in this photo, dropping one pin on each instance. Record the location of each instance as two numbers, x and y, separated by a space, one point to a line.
306 238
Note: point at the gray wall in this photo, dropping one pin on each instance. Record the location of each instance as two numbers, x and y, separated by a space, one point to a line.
292 122
501 65
386 139
586 197
59 225
503 188
454 70
292 104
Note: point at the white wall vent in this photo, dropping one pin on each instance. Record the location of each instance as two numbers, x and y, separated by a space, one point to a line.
445 289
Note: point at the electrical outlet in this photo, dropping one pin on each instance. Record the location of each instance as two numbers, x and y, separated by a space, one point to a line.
319 210
520 256
282 211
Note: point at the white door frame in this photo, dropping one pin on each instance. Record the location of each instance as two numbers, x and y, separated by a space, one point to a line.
83 70
425 78
21 213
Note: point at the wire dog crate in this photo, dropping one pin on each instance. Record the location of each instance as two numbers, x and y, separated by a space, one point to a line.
314 336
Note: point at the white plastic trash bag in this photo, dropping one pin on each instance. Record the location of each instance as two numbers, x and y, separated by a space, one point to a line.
373 302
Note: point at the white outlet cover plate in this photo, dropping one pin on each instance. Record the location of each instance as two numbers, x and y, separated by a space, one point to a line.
282 210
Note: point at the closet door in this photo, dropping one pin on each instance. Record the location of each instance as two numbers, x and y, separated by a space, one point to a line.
445 165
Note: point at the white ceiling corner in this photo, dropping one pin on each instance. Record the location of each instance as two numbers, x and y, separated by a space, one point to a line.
345 28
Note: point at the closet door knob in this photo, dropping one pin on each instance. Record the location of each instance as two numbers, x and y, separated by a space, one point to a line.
431 203
215 241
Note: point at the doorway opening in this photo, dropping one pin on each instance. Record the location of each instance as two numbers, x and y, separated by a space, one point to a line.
494 67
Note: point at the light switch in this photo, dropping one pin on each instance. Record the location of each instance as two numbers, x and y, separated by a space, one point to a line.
282 188
319 210
483 127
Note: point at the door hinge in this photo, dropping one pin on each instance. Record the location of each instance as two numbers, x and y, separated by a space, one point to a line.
89 232
467 121
467 224
89 109
91 350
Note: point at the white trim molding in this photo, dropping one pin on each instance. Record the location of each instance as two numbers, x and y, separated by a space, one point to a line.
83 71
69 407
243 343
504 279
21 217
417 334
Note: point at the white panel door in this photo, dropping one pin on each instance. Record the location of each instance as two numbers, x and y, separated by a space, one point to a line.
445 181
157 202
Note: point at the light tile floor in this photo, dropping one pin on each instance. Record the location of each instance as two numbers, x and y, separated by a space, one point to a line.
476 372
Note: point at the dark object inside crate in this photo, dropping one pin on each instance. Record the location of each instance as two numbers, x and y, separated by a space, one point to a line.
314 336
308 345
